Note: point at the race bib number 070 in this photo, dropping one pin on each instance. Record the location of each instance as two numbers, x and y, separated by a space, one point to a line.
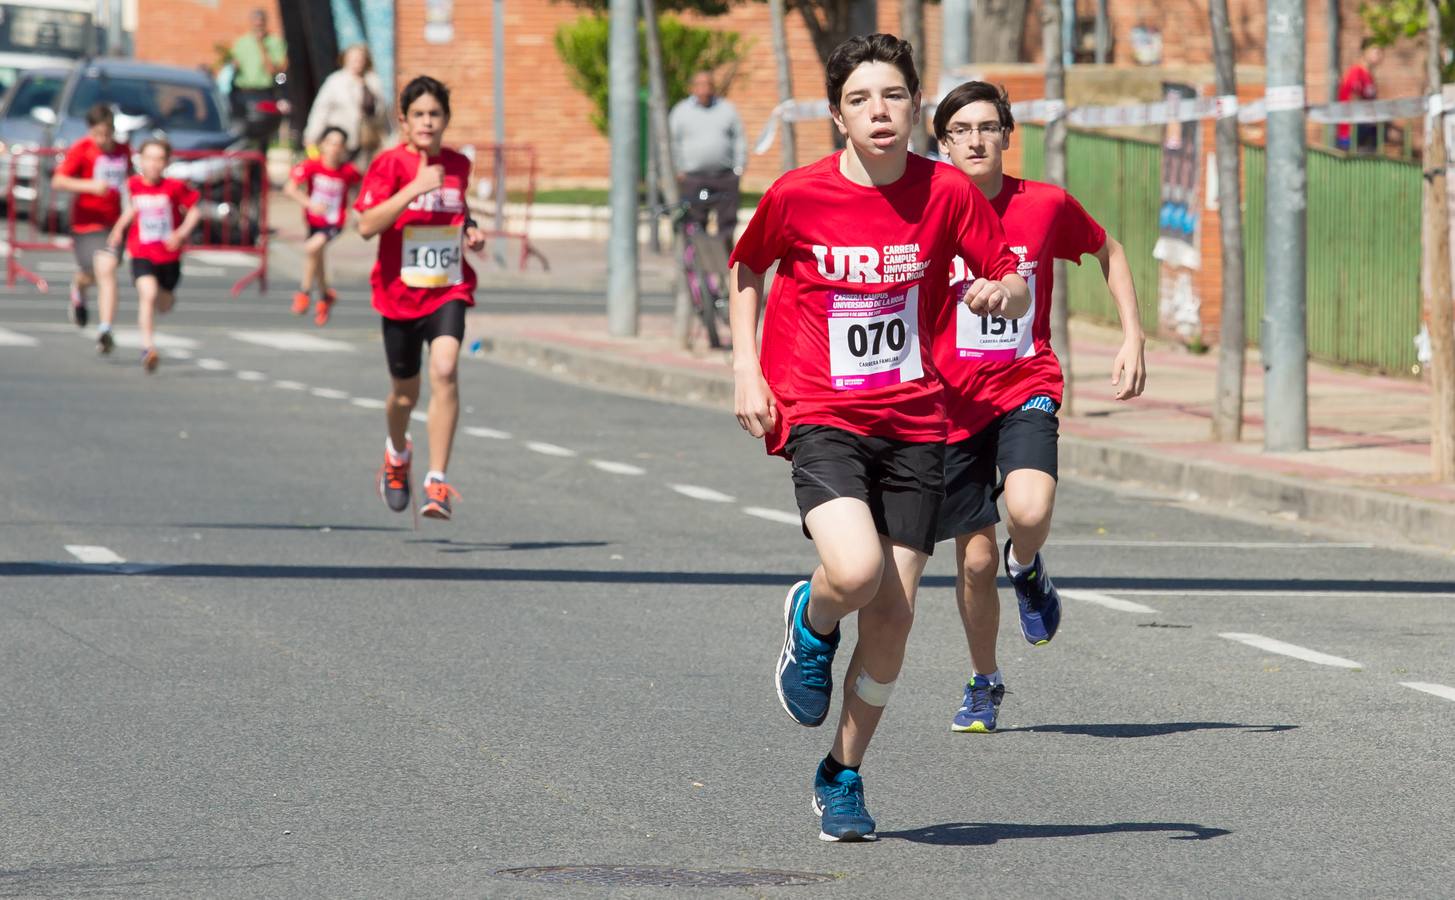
874 339
432 256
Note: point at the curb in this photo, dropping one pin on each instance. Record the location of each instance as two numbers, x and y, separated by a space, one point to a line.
1386 518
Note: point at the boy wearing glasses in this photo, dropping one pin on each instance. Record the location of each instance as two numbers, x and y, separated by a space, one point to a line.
1003 388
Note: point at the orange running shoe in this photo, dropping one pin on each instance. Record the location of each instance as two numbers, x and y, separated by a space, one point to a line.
150 358
300 303
438 504
394 482
325 306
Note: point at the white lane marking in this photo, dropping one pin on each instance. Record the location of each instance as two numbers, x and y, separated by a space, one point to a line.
419 416
223 258
618 468
10 338
1287 594
180 354
368 403
773 515
250 375
698 492
330 393
130 338
1294 650
291 340
1106 600
549 449
290 385
1215 545
60 268
93 555
491 433
211 365
1439 690
202 271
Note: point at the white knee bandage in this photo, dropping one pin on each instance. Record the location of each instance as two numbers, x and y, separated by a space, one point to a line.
872 692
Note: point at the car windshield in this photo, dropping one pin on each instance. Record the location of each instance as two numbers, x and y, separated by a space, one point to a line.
33 92
169 106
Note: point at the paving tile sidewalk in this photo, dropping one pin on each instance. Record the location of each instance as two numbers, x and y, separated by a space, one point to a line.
1367 466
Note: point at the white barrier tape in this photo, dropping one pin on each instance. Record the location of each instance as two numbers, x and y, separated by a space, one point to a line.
1284 98
1227 106
789 111
1373 110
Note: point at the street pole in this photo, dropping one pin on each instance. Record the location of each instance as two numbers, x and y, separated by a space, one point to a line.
1055 173
1068 32
1438 312
788 134
1285 325
1334 26
954 34
912 29
1227 423
497 27
1103 33
623 300
664 170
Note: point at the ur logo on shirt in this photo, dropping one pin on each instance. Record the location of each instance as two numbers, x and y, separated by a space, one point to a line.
857 265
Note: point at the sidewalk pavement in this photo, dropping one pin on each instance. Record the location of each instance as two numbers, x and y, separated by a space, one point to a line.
1366 471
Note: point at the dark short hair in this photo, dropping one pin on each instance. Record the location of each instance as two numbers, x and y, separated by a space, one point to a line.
419 87
333 129
162 142
99 113
856 51
973 92
1370 41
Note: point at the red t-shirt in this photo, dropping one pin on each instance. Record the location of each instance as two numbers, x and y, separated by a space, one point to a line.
421 263
993 365
1357 84
86 159
860 286
329 187
159 210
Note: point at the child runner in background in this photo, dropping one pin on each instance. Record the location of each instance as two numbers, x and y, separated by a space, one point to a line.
160 216
321 186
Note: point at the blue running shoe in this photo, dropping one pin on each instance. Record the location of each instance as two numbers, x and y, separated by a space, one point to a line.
840 803
805 678
1040 605
982 702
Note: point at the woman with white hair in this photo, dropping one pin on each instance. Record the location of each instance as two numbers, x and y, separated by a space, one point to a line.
351 99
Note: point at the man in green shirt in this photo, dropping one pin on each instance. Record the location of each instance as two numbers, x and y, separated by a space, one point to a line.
258 56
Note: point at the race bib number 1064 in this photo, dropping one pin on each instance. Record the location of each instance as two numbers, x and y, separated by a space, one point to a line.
874 339
432 256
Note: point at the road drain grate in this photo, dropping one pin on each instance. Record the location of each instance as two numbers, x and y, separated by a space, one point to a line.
664 876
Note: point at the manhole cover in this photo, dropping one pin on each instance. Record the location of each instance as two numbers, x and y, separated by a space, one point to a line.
664 876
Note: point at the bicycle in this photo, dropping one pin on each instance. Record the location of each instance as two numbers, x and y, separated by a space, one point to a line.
703 264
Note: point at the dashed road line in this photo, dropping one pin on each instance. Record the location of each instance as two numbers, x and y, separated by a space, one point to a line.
618 468
212 365
1439 690
698 492
491 433
368 403
93 555
1294 650
292 340
1107 601
10 338
286 385
549 449
1211 545
130 338
418 416
773 515
329 393
250 375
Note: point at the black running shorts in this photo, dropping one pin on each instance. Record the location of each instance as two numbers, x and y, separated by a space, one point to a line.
404 339
329 232
902 482
168 275
1023 438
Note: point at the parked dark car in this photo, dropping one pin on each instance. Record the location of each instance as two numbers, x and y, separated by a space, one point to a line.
182 104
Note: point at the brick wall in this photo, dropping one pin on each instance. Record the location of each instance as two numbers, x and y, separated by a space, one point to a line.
186 32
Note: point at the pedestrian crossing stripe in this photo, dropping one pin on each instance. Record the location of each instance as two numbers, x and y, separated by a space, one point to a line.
10 338
292 340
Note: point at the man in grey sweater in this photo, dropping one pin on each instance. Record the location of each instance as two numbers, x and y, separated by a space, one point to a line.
709 152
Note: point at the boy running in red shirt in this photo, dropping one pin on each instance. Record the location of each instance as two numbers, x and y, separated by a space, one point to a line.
321 186
159 218
1004 386
846 387
413 197
95 170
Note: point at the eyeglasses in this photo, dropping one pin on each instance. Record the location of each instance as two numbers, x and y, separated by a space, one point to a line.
961 134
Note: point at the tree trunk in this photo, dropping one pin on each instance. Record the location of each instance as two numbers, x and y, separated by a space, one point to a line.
1438 311
912 29
1000 28
829 24
665 170
1227 423
1056 174
788 140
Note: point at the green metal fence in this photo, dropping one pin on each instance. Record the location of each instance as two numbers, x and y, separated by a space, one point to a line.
1363 241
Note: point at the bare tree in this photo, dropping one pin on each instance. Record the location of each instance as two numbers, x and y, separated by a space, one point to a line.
1438 312
1000 28
789 139
666 172
1227 422
1056 174
912 29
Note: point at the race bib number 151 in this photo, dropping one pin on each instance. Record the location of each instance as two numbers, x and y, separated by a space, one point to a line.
874 339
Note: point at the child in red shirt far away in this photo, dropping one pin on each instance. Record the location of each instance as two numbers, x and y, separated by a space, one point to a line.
321 186
158 220
413 198
846 387
95 170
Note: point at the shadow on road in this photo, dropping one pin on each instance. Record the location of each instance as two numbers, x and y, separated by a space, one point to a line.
979 834
1145 729
451 546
